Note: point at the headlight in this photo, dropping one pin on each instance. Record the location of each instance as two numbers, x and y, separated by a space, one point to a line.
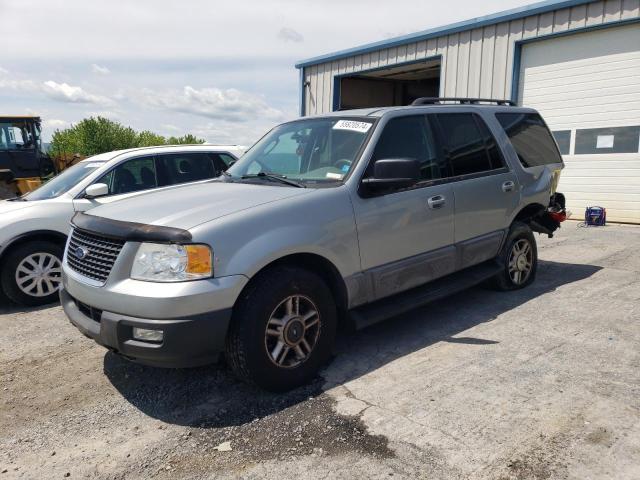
159 262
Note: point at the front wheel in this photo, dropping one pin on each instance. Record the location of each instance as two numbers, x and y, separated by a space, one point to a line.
519 259
282 330
32 273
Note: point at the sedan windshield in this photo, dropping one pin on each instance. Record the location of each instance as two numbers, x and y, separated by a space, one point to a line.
64 182
321 150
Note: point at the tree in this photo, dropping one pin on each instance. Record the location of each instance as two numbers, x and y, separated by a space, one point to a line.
187 139
97 135
150 139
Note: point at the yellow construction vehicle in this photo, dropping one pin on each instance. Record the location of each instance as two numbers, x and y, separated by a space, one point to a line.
23 163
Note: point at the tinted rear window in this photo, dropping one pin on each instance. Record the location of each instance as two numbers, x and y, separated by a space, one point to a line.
465 143
531 138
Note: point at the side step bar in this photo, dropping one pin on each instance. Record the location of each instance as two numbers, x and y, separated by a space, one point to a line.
385 308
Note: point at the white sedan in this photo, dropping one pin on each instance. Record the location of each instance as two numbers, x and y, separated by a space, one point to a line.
34 227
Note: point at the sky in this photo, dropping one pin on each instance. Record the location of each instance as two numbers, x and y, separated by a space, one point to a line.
223 71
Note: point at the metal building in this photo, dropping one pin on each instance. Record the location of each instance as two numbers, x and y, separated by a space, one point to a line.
576 61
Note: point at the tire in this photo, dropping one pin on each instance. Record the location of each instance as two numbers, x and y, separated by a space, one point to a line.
265 339
526 262
32 257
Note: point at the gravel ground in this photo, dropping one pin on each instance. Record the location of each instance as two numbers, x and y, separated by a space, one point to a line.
542 383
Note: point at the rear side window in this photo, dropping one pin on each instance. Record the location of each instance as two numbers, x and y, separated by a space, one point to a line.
465 143
411 137
186 167
531 138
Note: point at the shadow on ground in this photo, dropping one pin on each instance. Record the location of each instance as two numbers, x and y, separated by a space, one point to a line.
212 397
7 307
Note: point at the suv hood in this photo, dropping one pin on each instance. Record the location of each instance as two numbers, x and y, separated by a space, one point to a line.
188 206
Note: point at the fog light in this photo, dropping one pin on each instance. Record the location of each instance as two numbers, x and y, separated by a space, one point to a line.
147 335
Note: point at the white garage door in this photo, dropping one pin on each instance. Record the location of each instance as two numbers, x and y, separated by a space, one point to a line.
587 87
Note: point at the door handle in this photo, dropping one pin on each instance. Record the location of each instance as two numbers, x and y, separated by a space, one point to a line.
508 186
437 201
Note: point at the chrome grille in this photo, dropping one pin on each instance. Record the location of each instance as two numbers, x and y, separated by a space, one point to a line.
100 253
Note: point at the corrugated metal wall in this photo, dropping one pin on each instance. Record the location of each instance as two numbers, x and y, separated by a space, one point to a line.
475 63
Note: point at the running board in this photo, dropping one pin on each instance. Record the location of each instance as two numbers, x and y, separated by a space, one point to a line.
385 308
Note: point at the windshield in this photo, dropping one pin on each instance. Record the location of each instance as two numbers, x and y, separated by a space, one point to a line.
64 182
16 135
321 150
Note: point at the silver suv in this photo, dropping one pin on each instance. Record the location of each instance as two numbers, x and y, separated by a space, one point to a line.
342 218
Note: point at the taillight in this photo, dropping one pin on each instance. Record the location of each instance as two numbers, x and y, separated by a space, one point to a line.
558 216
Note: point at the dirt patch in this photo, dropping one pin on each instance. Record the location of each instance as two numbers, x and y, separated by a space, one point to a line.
306 428
600 436
546 458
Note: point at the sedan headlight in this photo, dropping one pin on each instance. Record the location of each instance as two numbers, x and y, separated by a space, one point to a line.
159 262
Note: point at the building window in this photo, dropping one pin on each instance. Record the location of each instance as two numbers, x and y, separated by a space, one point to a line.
563 139
607 140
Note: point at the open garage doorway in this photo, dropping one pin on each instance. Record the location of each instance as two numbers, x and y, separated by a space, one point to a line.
385 87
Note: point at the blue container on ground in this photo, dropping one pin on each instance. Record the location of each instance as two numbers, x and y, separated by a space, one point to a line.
596 216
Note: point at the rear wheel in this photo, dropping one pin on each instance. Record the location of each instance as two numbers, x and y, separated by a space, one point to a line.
32 273
519 258
282 330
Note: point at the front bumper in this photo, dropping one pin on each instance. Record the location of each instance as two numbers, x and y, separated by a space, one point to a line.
187 342
194 316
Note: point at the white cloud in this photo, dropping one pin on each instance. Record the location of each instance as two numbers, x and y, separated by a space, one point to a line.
55 123
69 93
57 91
223 133
290 35
15 84
22 85
104 114
100 70
230 105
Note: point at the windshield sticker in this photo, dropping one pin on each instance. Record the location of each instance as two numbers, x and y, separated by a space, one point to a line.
93 165
335 176
361 127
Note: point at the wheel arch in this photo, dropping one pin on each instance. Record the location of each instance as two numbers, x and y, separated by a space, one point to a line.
538 218
36 235
319 265
528 212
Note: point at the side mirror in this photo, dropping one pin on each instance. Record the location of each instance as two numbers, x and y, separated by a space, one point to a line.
96 190
393 173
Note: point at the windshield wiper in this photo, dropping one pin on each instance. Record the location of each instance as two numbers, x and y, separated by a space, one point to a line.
276 177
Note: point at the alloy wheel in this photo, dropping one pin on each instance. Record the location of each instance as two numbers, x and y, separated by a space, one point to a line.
520 261
292 331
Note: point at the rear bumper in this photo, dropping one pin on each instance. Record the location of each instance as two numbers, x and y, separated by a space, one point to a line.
187 341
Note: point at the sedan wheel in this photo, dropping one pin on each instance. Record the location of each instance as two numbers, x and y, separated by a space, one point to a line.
39 274
31 274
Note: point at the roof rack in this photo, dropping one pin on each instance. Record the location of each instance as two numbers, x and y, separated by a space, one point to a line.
461 100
